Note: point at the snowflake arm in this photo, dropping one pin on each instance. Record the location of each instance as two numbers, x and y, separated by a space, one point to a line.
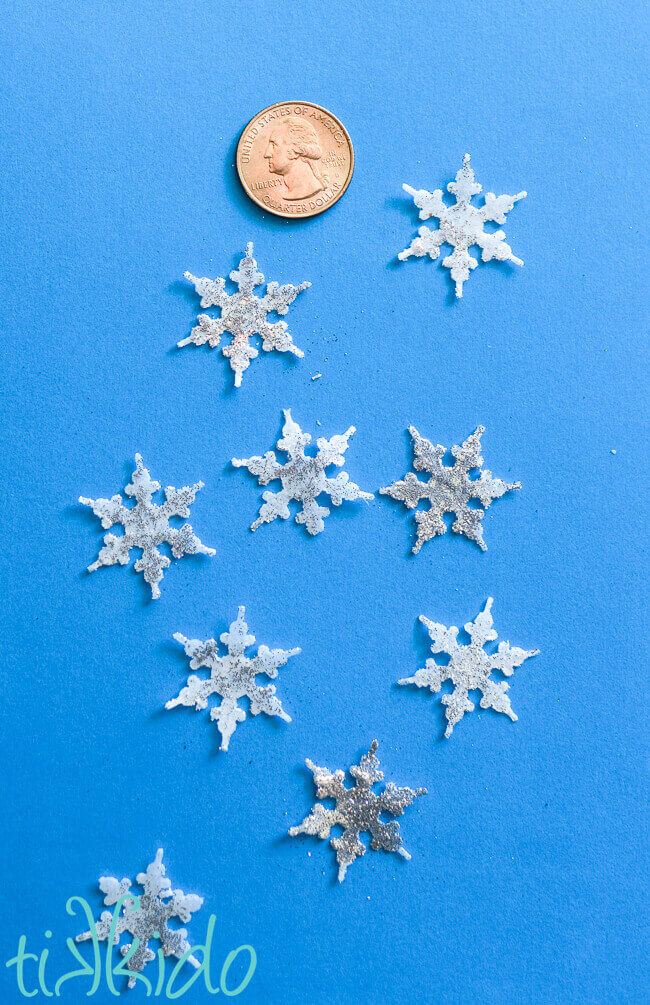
274 505
331 451
496 207
426 457
493 246
240 353
110 511
470 667
211 291
445 640
103 929
208 330
116 550
232 676
341 488
506 659
265 469
146 917
449 489
303 477
268 661
279 298
197 690
114 889
318 823
486 488
357 810
429 203
226 716
146 526
409 490
426 243
276 336
293 441
243 315
461 226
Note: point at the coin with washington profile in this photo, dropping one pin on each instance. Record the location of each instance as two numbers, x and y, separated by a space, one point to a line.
295 159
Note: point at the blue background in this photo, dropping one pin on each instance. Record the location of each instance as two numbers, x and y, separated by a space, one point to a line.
528 868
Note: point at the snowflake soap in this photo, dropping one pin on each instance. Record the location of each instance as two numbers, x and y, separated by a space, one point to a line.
449 489
243 314
461 225
145 916
357 810
146 526
303 477
470 667
232 676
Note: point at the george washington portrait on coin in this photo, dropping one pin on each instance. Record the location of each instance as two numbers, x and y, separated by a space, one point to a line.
293 152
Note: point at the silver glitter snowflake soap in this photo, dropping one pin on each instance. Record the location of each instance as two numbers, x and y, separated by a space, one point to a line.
232 676
244 315
449 489
462 225
470 667
146 916
357 810
303 477
146 526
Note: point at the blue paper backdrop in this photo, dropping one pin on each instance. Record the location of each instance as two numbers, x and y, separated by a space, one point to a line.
121 122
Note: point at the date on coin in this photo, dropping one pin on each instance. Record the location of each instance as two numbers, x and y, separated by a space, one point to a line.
295 159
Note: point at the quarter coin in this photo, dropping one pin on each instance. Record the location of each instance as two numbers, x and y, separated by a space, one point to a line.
295 159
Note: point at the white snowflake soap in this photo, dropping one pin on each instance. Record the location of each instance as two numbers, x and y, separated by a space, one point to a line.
146 916
146 526
232 676
243 314
462 225
449 489
303 477
470 667
357 810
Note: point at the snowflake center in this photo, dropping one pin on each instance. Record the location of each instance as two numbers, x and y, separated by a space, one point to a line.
147 524
156 913
245 311
469 668
446 493
304 478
